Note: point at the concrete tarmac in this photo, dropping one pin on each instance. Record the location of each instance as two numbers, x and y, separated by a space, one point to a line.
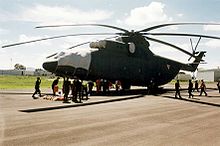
134 120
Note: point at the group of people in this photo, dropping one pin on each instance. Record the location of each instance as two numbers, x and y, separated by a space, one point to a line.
191 89
78 89
103 86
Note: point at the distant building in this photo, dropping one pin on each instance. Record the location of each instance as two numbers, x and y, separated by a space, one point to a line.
211 75
182 76
41 73
24 72
12 72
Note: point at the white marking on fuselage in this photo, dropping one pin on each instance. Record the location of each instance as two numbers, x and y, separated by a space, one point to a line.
168 66
76 60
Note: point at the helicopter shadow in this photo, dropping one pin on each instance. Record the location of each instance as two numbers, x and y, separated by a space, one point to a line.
69 105
156 92
193 100
129 95
214 96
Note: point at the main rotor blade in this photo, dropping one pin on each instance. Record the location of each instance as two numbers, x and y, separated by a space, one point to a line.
183 34
173 24
77 46
55 37
51 55
171 45
69 49
102 25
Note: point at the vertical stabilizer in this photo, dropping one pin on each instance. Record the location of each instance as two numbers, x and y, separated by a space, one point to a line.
193 66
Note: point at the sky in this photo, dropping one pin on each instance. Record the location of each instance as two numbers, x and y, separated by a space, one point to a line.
18 19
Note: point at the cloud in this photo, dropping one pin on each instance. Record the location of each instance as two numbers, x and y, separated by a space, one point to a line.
153 13
3 42
213 44
212 27
180 15
3 31
59 15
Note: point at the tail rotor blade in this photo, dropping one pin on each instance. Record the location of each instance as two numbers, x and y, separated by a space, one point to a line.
197 43
191 44
191 48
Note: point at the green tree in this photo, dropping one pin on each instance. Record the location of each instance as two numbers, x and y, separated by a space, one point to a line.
18 66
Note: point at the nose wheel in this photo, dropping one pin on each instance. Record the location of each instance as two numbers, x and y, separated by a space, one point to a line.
125 85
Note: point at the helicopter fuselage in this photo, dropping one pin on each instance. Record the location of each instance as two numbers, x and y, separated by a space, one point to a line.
131 62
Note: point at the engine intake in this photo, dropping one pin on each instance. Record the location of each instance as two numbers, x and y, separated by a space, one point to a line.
99 44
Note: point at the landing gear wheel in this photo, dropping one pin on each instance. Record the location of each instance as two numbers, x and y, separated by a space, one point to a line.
125 85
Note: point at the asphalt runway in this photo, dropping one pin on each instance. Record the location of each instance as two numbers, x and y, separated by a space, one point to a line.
138 119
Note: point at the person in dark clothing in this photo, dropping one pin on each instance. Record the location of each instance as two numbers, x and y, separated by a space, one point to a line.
84 91
177 88
55 82
90 84
190 88
218 85
196 86
117 85
203 88
74 94
105 85
37 87
66 89
78 86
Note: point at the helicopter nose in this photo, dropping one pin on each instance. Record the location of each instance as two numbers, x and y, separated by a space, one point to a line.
74 64
50 66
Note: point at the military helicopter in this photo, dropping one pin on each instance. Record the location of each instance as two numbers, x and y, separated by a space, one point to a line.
127 58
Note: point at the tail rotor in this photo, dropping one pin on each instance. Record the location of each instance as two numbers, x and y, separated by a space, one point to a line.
194 52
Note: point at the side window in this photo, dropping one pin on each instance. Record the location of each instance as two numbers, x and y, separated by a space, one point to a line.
131 47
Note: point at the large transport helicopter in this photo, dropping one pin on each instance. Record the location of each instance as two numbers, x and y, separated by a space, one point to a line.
127 58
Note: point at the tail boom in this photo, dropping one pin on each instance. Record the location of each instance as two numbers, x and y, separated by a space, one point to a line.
193 66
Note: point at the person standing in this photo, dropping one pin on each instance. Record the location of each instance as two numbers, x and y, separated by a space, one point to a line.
117 85
54 84
66 89
74 94
202 88
98 85
196 86
90 84
218 85
78 85
190 88
177 89
84 90
37 88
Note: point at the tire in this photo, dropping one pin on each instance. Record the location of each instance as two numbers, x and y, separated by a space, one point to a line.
125 85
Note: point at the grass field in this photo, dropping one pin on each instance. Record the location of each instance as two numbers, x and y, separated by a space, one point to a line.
24 82
28 82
